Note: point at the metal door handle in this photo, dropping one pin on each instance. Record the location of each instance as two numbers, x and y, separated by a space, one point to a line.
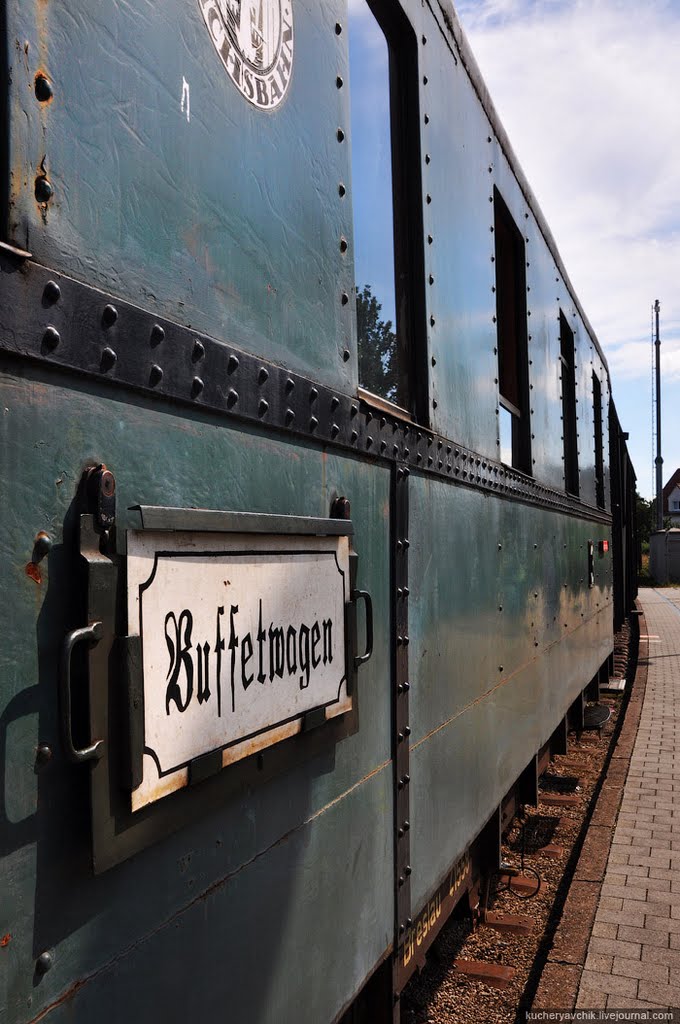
355 595
86 634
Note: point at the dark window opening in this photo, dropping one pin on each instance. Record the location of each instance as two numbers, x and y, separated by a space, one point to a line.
569 432
386 198
599 460
511 326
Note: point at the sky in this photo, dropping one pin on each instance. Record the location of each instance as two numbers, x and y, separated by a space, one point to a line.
589 94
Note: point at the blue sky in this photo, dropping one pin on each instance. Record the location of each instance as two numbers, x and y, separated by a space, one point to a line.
589 93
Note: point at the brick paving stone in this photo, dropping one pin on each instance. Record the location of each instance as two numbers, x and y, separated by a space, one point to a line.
641 969
638 917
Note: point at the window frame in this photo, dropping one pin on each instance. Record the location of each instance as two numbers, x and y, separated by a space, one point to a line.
567 359
512 330
407 214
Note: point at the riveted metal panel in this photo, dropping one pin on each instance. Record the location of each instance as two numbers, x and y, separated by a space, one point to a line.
508 633
458 252
169 188
51 427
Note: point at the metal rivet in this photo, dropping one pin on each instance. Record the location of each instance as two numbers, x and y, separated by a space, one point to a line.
407 730
263 376
335 402
313 395
339 82
313 423
157 334
426 119
353 437
343 244
340 135
262 408
341 190
383 446
232 398
344 298
338 28
43 89
196 387
155 375
43 754
335 430
369 441
52 291
43 189
51 337
109 359
44 963
198 350
427 158
346 355
109 315
429 239
232 364
290 385
354 409
428 198
290 417
407 870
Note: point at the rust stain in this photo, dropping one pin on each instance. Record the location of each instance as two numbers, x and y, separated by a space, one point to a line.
5 940
33 572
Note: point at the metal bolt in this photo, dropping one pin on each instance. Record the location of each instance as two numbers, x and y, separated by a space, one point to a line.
198 350
340 135
52 292
44 963
51 337
339 82
232 398
155 375
341 190
263 376
290 417
157 334
346 355
262 408
43 189
42 545
197 386
290 385
43 89
43 755
313 423
343 244
109 359
109 315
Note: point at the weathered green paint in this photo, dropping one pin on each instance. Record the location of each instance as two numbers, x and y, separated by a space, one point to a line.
507 633
208 221
242 870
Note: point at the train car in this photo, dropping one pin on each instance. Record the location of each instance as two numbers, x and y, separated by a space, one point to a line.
307 514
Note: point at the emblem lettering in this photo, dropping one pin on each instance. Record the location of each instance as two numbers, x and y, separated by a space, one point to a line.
254 40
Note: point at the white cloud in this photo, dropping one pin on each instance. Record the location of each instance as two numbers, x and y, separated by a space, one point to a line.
589 95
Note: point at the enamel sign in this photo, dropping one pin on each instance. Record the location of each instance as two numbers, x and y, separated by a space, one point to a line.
241 636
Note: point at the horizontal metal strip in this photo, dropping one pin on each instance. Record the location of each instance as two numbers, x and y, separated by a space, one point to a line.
157 517
60 322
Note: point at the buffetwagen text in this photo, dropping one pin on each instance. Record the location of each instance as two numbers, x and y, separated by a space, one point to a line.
274 651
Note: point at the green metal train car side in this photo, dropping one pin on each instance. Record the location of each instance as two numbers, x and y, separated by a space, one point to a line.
178 311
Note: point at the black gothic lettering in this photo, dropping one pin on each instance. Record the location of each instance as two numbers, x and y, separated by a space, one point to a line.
246 645
276 655
261 638
219 647
327 641
203 662
291 650
316 640
304 656
179 649
233 644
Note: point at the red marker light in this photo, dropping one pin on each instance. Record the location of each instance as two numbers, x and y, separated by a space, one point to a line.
604 546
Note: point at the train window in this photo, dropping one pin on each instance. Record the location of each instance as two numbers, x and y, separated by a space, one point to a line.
599 461
511 325
569 433
388 248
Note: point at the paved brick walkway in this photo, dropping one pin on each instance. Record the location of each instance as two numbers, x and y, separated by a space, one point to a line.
634 952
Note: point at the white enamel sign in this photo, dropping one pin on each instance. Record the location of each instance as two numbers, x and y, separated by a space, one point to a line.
241 635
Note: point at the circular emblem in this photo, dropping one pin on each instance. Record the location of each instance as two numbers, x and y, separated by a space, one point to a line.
254 39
